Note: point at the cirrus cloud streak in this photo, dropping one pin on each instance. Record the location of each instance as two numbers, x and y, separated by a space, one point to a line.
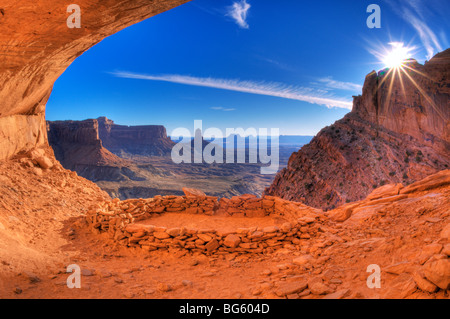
260 88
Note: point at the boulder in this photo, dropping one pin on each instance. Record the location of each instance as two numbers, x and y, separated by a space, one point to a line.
438 272
193 193
44 162
445 233
423 283
289 288
232 241
303 260
385 191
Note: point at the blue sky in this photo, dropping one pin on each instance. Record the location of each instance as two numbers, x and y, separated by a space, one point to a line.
292 65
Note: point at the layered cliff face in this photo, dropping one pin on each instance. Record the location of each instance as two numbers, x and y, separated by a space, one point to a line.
149 140
397 132
36 46
77 147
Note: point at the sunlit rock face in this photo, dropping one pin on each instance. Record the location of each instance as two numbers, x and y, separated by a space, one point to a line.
397 132
77 143
36 46
148 140
412 100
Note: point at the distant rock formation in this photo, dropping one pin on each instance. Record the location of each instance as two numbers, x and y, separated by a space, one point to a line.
148 140
77 147
397 132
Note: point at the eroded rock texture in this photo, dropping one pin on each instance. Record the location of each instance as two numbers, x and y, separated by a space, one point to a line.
77 143
77 146
36 46
149 140
397 132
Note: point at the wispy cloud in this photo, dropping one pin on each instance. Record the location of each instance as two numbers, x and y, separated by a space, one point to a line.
339 85
220 108
239 11
427 36
276 63
414 12
291 92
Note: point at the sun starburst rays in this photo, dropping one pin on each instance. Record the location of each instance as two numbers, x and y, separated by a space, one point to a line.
397 56
397 64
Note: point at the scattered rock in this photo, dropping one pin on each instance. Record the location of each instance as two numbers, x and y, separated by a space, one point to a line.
303 260
270 229
335 281
161 235
193 262
432 249
232 241
445 233
105 274
446 250
340 294
423 283
289 288
174 232
257 292
128 294
266 272
44 162
401 287
304 293
438 272
32 278
163 287
193 193
212 245
319 288
87 272
399 268
17 290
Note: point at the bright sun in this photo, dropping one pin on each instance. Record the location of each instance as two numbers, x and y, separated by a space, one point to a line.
397 56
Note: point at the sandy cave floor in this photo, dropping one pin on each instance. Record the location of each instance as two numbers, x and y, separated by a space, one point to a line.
41 235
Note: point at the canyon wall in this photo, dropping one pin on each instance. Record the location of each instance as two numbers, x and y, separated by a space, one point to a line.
397 132
77 143
77 147
36 46
149 140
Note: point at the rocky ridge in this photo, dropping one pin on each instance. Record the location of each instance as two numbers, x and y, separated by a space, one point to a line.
77 146
397 132
122 140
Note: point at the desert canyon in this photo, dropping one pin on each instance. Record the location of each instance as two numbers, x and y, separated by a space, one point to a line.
373 188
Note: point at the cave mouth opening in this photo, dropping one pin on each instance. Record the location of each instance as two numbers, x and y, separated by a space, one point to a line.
36 53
